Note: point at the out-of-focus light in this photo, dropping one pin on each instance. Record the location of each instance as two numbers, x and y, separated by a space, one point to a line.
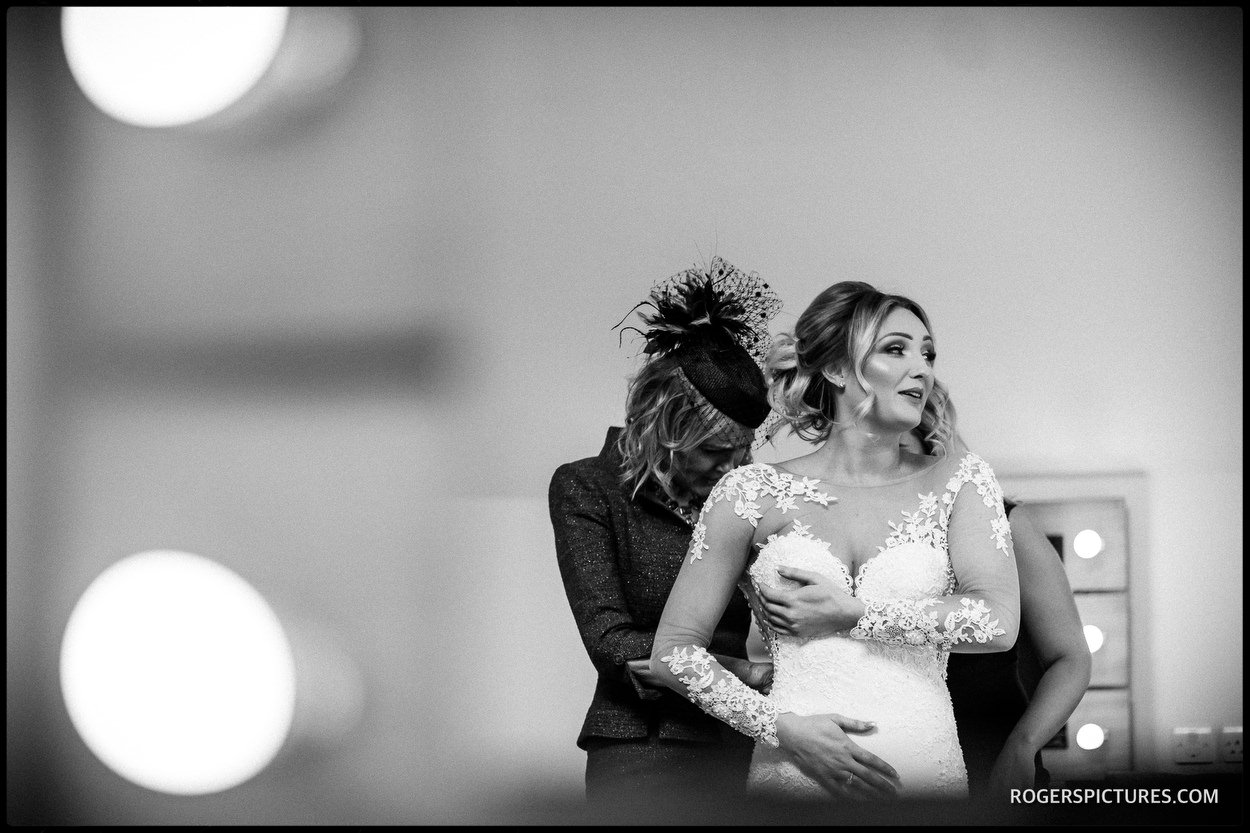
1094 637
160 67
1087 543
1090 736
177 674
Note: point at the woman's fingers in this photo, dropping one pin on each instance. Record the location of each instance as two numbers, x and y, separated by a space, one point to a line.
874 782
850 724
767 593
777 616
797 574
774 609
850 784
875 770
780 624
863 783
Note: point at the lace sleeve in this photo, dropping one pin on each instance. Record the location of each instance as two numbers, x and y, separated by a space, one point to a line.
983 614
723 695
715 562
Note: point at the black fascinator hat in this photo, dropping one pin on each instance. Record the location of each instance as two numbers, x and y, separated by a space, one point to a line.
713 324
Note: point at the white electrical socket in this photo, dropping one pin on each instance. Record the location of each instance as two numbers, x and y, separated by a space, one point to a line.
1230 744
1193 745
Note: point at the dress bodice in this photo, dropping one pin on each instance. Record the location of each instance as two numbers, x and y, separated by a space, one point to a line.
897 546
900 687
905 570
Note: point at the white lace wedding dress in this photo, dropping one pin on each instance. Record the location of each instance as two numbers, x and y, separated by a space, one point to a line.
900 687
906 535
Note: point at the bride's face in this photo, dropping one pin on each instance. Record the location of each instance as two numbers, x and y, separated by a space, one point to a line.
898 371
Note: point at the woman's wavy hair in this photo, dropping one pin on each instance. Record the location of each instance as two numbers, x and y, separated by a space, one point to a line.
837 332
661 421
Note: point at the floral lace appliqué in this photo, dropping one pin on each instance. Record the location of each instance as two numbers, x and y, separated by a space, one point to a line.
746 486
899 622
920 527
971 622
974 470
724 696
800 530
908 623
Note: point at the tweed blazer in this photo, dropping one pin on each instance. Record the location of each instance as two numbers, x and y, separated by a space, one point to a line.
619 557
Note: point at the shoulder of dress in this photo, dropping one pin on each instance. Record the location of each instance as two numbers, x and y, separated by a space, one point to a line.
761 480
976 466
967 466
972 456
735 481
756 477
738 489
971 469
749 473
749 481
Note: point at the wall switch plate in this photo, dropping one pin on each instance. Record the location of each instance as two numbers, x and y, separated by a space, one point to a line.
1193 745
1230 744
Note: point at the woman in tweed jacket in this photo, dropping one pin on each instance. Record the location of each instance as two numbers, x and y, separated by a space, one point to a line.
623 521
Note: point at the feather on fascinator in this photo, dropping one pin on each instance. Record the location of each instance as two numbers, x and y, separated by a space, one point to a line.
720 304
714 325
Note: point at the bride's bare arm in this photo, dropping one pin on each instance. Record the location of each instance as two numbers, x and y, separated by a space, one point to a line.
1054 628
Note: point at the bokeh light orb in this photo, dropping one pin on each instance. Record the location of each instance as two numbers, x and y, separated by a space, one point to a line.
1094 638
165 66
1087 543
177 674
1090 736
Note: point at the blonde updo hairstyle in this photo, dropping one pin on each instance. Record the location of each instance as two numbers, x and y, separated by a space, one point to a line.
837 332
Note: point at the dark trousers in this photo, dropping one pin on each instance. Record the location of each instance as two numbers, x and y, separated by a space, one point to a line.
650 772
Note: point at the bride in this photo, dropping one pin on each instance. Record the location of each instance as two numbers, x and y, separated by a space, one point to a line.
921 546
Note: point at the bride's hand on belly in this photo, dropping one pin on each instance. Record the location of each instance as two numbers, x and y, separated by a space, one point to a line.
820 747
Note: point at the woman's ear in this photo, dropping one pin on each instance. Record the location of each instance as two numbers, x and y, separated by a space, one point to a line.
836 377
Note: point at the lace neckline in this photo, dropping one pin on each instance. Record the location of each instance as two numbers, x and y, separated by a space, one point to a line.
848 485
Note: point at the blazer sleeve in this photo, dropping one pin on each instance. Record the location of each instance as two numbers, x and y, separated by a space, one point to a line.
586 550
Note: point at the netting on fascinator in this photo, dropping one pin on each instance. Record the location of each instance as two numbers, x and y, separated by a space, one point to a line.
719 301
714 323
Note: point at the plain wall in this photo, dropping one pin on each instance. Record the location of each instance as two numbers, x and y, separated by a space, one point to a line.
343 355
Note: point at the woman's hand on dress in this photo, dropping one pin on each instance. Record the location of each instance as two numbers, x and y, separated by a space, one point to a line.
1014 768
820 747
757 675
817 608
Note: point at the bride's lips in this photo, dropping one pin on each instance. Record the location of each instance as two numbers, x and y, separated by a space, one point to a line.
913 393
